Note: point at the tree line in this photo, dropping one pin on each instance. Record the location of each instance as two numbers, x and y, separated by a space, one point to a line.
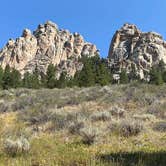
95 71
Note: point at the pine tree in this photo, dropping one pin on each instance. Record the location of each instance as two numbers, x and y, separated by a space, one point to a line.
124 77
1 76
15 78
26 82
103 75
86 77
62 82
156 76
35 79
6 80
164 75
50 76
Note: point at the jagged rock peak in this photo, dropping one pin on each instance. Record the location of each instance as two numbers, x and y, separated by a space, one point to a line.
47 44
131 46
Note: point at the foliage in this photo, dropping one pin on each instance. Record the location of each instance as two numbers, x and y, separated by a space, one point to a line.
50 76
124 77
15 147
160 126
156 76
6 79
130 128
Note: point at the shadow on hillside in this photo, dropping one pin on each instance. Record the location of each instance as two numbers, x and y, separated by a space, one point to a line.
136 159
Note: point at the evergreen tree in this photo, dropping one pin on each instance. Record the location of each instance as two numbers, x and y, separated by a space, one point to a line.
35 83
103 75
26 82
62 82
15 79
164 75
124 77
156 76
161 66
6 79
50 76
86 76
1 76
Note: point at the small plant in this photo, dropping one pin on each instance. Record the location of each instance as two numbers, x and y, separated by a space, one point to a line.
130 128
118 112
3 107
144 117
101 116
75 127
160 126
15 147
89 135
60 121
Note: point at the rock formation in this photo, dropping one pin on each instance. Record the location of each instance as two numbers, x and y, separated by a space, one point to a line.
46 45
131 47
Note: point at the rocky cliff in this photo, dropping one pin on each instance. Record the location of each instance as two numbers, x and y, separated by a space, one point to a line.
46 45
131 47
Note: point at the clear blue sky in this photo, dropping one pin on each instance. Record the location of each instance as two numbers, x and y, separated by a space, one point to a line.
96 20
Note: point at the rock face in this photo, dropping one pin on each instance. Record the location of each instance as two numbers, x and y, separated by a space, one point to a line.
46 45
131 47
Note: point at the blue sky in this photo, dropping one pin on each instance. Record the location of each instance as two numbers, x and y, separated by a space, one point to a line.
96 20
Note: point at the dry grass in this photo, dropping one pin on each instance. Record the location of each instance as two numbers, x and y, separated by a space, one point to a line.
85 126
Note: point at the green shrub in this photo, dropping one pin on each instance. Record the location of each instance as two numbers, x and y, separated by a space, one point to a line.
88 135
160 126
75 127
118 112
101 116
15 147
130 128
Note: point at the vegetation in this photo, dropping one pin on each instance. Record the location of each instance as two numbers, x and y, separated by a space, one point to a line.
95 126
95 122
95 71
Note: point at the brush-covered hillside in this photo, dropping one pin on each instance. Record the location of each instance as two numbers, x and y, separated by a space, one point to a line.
114 125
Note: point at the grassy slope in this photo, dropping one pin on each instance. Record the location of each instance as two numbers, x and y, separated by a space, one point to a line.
27 112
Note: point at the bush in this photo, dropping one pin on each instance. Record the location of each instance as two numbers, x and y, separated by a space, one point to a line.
144 117
130 128
36 116
75 127
160 126
3 107
60 121
118 112
89 135
16 147
101 116
158 109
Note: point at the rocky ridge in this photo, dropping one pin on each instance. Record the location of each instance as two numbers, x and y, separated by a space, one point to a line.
131 47
46 45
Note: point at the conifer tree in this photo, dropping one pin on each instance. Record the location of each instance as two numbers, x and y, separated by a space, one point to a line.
124 77
1 76
103 76
62 82
164 75
156 76
26 82
35 83
15 79
50 76
6 79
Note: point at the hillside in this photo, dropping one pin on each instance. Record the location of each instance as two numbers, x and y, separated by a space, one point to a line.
117 125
